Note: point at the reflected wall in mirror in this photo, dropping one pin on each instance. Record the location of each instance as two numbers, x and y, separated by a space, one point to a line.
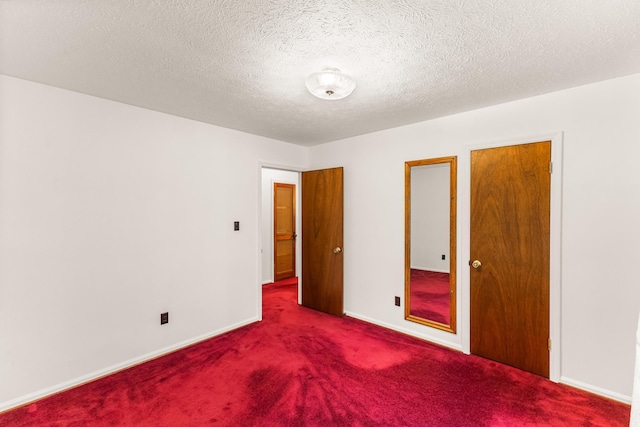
430 242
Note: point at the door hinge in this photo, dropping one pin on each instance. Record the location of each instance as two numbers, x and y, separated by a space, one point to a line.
549 344
550 167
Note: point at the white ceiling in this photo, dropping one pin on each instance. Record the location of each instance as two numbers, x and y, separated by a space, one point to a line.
242 64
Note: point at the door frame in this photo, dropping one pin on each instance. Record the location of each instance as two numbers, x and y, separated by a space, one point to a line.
464 190
288 168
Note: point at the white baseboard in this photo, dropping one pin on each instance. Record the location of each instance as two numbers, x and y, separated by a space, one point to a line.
405 331
596 390
4 406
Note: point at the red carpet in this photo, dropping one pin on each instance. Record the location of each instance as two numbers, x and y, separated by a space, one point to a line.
300 367
430 295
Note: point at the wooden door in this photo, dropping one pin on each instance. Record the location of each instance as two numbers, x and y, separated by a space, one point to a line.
322 260
510 220
284 231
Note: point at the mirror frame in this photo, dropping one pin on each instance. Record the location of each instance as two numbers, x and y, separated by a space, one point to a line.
452 161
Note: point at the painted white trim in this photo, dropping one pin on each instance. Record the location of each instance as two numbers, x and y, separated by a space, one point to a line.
596 390
409 332
28 398
555 258
555 264
299 244
258 238
278 166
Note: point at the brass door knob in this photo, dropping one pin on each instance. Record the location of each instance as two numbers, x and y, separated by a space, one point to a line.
337 250
476 264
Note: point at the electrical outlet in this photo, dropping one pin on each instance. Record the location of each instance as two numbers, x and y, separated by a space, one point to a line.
236 226
443 256
398 301
164 318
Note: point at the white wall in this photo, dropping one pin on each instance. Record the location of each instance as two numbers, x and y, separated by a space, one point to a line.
430 219
110 215
269 177
600 210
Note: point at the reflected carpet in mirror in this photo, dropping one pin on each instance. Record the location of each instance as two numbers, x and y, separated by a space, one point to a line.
430 292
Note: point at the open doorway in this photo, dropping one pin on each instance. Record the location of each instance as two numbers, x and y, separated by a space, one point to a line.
271 177
321 285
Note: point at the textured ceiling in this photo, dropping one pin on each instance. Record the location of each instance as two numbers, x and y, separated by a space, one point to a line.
242 64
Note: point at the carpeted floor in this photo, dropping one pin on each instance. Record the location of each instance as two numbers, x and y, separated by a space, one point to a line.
299 367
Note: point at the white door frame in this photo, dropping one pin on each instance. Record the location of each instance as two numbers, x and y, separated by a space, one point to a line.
267 165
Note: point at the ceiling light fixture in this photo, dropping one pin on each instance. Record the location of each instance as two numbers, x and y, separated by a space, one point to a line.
330 83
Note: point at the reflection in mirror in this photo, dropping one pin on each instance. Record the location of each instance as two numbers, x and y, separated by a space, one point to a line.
430 242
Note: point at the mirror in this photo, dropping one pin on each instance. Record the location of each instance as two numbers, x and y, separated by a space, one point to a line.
430 242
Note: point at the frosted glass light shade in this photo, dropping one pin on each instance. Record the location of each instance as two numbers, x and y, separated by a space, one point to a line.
330 83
